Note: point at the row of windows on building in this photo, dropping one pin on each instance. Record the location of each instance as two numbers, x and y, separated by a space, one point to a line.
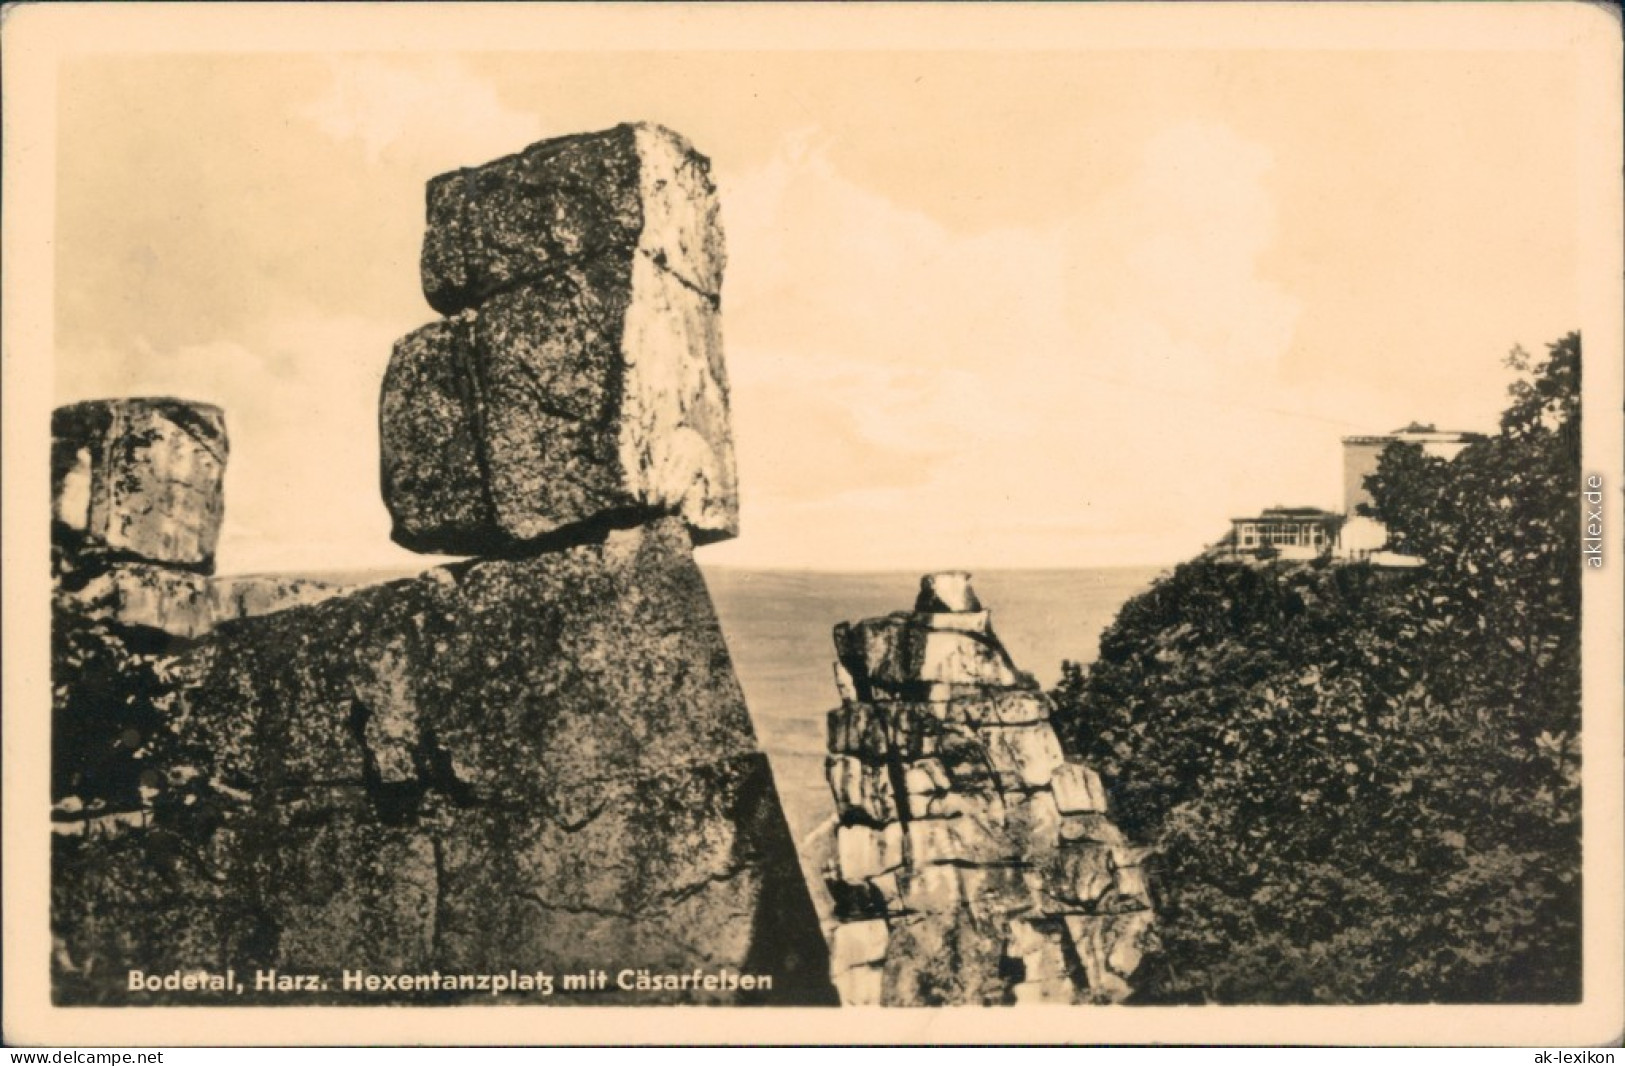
1307 532
1292 532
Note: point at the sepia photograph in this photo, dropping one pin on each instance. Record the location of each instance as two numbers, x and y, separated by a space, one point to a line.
620 514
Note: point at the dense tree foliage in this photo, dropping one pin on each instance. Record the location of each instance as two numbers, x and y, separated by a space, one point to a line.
115 694
111 699
1363 785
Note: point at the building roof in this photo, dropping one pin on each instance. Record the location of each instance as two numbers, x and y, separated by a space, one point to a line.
1418 433
1276 514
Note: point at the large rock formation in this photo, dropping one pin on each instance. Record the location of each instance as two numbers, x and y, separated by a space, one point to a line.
536 768
533 764
581 374
973 863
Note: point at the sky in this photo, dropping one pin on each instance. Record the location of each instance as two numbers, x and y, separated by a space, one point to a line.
982 309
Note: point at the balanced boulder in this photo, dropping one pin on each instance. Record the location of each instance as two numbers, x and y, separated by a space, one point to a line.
638 190
581 380
528 777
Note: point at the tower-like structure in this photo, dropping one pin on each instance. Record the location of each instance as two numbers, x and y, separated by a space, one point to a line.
974 862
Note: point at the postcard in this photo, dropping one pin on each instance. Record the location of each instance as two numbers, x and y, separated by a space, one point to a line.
752 524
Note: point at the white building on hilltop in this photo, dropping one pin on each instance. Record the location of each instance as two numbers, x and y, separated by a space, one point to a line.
1365 538
1298 534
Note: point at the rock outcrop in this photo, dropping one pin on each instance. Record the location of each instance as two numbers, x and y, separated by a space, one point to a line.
137 505
142 596
251 595
537 764
973 862
182 604
580 374
136 511
137 480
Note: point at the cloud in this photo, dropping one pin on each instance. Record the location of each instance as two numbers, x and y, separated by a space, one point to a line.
433 106
828 268
1162 277
1103 388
